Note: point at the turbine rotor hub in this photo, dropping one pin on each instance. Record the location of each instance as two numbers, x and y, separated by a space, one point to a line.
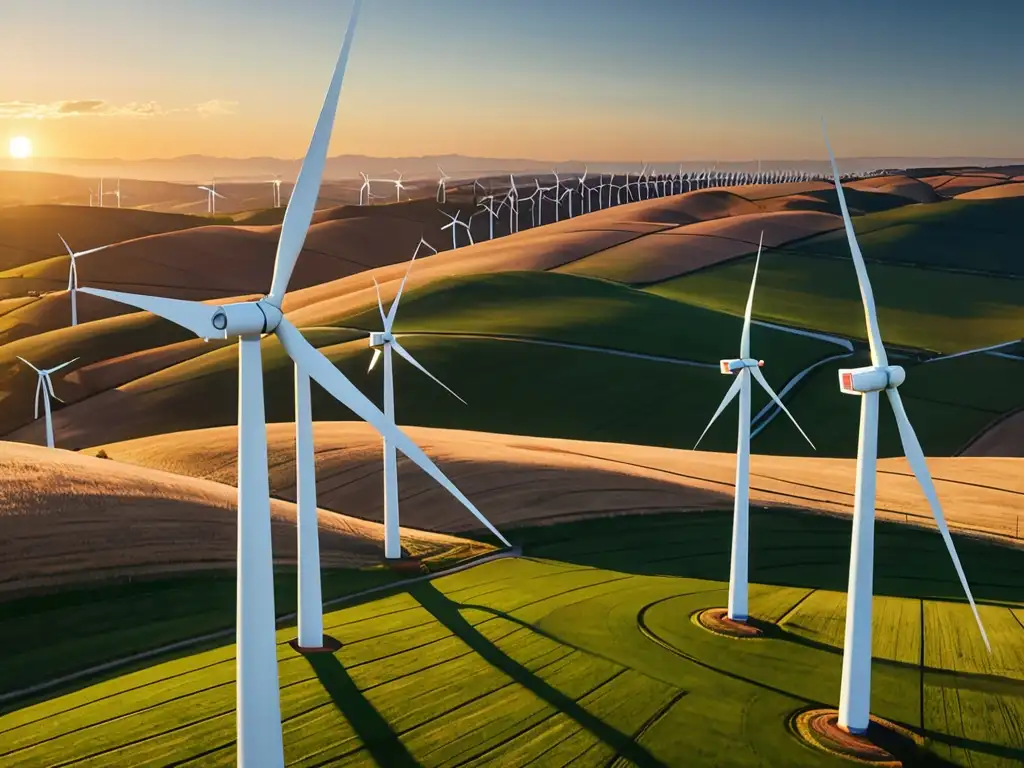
380 338
247 318
871 378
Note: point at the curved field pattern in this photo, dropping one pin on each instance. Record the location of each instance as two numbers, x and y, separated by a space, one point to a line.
584 652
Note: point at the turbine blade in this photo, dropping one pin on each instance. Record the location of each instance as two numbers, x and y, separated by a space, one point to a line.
302 201
380 304
26 362
39 387
62 365
745 338
408 356
771 393
393 309
70 252
733 391
878 356
193 315
915 457
49 386
373 362
334 381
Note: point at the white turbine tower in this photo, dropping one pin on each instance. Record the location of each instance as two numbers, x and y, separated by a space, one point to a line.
454 221
276 187
73 275
442 189
868 382
101 193
258 696
383 343
743 368
44 386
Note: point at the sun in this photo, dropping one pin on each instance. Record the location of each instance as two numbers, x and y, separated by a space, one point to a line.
20 147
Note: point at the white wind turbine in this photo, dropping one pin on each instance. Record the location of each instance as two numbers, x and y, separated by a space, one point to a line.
101 193
558 194
454 222
276 187
744 367
868 382
258 695
365 188
382 344
73 275
211 197
44 386
492 214
442 189
513 205
399 186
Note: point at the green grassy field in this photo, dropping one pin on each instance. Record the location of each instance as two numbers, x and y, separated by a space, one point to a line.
584 653
919 308
50 635
588 311
964 235
948 401
509 387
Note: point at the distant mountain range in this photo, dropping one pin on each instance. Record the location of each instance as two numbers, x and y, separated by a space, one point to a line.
201 169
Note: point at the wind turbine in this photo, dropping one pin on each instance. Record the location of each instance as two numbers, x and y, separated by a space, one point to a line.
276 187
44 385
743 368
513 208
383 343
442 190
558 194
101 193
868 382
452 224
365 188
211 197
73 275
492 214
399 186
258 695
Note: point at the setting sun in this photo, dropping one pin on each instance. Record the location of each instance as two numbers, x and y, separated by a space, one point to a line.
20 147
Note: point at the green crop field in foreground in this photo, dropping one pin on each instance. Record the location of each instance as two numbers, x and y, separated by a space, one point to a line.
84 626
584 652
920 308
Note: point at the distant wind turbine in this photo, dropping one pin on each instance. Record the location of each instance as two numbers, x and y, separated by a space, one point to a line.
73 275
452 224
44 386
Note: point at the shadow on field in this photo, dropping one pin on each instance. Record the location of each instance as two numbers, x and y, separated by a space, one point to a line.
447 613
372 729
787 548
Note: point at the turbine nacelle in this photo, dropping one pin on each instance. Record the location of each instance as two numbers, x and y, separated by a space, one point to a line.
857 381
248 318
380 338
729 367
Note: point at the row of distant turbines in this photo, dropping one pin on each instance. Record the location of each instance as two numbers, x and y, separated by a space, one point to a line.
575 196
98 196
258 711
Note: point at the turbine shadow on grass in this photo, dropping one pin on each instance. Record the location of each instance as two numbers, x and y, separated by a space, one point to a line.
372 729
448 614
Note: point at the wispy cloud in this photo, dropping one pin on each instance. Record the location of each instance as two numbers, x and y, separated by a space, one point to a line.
101 108
217 107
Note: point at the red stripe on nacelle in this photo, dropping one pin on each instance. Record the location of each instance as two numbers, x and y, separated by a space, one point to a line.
847 381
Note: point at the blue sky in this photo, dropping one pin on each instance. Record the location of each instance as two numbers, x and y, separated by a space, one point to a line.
551 79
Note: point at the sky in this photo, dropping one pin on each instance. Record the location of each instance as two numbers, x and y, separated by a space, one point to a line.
596 80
